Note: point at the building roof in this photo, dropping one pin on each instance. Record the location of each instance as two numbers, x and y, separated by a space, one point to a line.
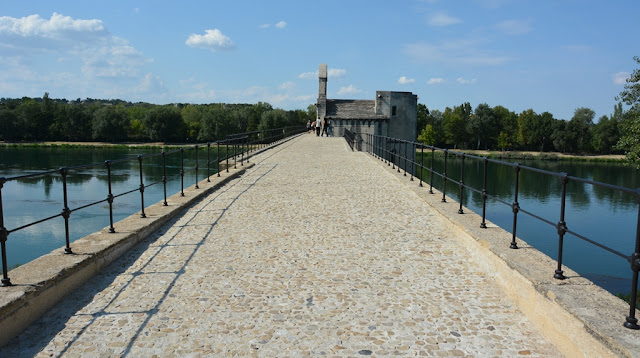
352 109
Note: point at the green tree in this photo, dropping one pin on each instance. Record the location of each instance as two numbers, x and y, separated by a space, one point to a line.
483 125
454 122
272 119
630 127
11 128
606 133
164 124
109 125
504 142
564 140
508 123
34 118
427 135
580 125
422 117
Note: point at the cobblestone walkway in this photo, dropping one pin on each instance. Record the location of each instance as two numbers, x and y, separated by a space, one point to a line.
315 251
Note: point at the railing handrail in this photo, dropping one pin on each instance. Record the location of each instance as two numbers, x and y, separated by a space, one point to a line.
238 146
380 146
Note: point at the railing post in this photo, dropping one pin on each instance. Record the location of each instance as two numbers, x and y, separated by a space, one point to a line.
515 207
218 157
399 152
460 211
562 228
164 177
433 153
248 146
110 197
142 214
209 162
196 167
235 155
412 160
65 210
405 157
387 150
632 322
421 162
485 163
4 234
226 153
444 177
241 144
181 171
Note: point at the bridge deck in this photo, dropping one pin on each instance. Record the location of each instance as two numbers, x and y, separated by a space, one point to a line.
313 251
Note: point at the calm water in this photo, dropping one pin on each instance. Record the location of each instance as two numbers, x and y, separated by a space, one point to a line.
32 199
606 216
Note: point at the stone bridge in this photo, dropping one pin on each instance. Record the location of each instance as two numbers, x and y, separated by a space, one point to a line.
309 250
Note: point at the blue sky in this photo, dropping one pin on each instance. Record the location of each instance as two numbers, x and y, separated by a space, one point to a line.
546 55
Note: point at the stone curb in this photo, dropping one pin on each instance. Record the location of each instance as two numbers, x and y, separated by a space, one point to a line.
580 318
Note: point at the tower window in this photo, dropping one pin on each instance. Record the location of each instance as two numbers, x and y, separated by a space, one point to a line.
394 110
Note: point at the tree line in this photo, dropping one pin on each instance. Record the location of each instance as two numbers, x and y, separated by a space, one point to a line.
46 119
498 128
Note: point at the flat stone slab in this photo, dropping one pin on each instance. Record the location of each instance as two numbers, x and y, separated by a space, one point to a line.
313 251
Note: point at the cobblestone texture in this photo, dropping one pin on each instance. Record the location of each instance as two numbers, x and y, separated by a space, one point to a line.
313 252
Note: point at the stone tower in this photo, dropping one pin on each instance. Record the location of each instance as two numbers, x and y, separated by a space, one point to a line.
322 92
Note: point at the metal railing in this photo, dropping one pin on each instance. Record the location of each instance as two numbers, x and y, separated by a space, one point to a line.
237 148
402 154
350 137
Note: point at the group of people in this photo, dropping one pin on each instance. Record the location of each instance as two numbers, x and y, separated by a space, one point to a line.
321 127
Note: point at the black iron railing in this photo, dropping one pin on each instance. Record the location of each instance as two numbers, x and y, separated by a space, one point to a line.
350 137
402 154
236 148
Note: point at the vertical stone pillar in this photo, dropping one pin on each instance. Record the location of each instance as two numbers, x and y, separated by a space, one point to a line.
322 91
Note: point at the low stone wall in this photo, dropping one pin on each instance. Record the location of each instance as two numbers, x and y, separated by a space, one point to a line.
580 318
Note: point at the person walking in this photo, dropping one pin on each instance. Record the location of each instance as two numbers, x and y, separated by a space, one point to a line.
308 125
318 124
324 128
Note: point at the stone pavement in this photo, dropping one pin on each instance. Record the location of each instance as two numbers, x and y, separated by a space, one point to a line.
315 251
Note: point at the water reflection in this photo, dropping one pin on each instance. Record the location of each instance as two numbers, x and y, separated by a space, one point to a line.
30 199
606 216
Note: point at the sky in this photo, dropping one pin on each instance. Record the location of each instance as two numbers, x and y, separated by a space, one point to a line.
553 56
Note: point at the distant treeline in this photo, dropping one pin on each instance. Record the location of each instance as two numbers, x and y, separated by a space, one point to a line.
46 119
498 128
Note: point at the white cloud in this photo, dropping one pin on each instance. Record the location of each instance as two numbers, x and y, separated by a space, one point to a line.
348 90
465 52
515 27
264 26
213 40
435 81
80 45
308 75
333 73
59 33
287 86
442 19
151 84
620 78
462 81
281 25
405 81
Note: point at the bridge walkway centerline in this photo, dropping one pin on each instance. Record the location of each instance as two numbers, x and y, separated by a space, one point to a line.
313 251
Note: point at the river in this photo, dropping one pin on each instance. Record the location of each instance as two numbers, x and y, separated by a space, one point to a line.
605 216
